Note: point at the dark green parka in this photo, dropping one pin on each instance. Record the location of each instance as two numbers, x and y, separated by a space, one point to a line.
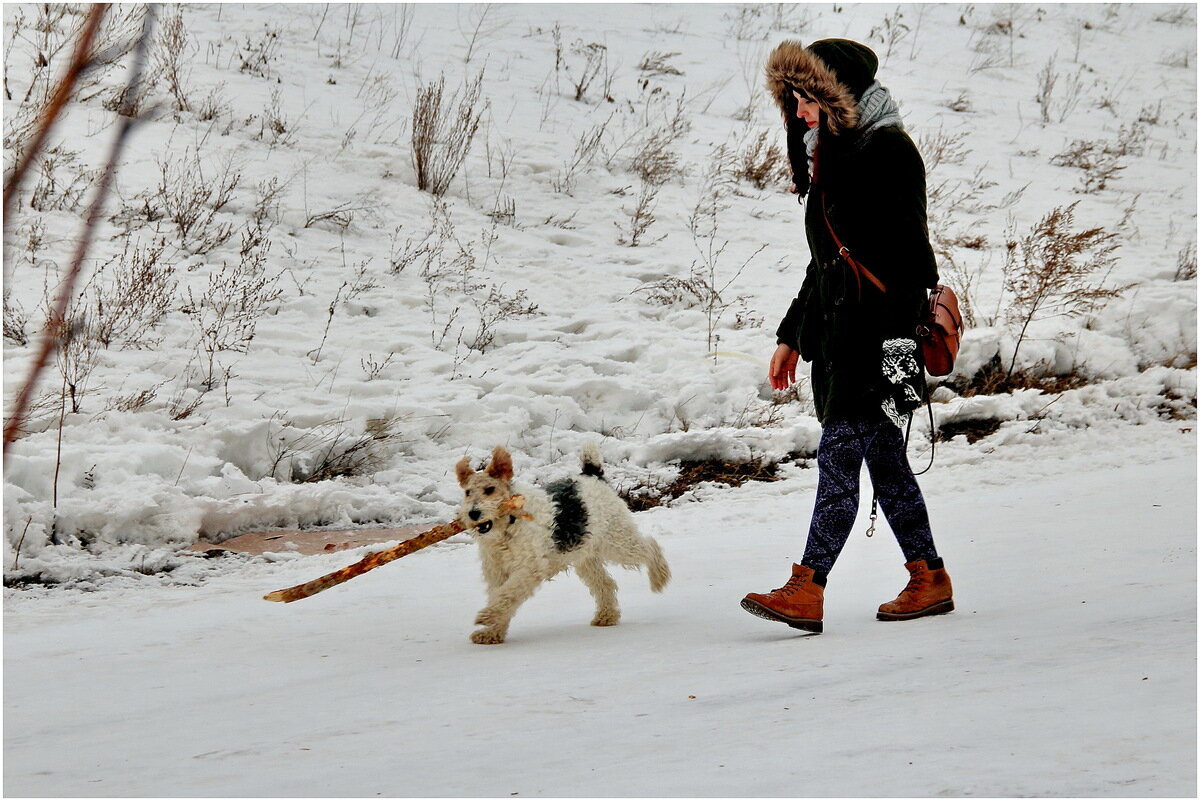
872 187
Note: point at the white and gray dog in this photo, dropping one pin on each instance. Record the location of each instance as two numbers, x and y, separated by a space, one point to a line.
575 522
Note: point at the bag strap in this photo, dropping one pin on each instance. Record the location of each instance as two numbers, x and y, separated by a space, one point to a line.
855 266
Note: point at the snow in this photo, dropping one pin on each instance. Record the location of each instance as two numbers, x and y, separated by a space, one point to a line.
1067 669
1069 666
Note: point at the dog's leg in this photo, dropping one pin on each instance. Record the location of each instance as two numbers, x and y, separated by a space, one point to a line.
496 616
603 589
495 574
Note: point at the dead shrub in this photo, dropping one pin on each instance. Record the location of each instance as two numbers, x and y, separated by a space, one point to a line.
214 104
960 104
171 56
63 181
256 55
586 149
135 401
761 161
16 322
656 63
191 196
495 308
1050 271
442 130
697 471
1057 105
75 355
940 147
590 62
974 430
330 449
129 295
227 312
1101 160
655 160
1185 269
993 379
273 127
641 217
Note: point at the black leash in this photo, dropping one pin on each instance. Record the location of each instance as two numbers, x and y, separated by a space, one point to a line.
907 431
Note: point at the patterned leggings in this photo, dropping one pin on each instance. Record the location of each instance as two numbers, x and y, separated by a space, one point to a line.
844 446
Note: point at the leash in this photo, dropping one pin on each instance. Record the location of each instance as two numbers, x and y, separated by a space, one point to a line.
907 432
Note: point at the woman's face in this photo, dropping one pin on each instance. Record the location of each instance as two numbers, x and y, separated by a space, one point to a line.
807 110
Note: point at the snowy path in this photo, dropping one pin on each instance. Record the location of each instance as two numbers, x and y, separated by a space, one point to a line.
1068 669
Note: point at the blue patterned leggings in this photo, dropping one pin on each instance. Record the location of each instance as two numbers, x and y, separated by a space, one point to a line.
844 446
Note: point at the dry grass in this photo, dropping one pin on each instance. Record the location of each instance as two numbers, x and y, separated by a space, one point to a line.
993 379
442 131
761 161
1056 271
975 430
697 471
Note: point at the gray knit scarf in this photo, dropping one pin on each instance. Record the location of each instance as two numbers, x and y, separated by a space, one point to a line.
876 109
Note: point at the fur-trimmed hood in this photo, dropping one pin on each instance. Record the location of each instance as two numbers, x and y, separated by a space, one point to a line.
792 65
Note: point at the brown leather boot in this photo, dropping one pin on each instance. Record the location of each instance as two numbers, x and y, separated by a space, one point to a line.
799 603
928 593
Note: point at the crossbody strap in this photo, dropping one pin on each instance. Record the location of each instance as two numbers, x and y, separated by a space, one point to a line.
856 267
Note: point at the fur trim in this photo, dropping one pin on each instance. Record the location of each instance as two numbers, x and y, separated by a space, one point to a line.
791 64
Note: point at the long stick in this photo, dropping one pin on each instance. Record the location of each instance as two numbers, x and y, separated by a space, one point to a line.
374 560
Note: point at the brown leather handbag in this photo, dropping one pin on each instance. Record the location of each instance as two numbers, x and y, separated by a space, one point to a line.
940 332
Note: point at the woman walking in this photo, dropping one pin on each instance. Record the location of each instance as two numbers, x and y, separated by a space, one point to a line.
855 317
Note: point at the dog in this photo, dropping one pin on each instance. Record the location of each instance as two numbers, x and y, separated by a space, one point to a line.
577 522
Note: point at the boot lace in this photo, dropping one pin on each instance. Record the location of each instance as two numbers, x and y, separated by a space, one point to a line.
794 584
915 583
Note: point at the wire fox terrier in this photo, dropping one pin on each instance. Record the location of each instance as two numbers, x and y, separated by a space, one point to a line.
577 522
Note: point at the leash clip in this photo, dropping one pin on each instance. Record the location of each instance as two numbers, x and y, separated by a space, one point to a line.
874 516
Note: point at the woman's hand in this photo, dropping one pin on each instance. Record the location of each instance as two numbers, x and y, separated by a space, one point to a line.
782 372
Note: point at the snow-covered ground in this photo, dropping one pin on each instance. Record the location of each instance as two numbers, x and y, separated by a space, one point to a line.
1068 668
366 298
376 324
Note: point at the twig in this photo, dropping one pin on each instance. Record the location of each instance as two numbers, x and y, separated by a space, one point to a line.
21 541
184 465
80 61
62 416
54 325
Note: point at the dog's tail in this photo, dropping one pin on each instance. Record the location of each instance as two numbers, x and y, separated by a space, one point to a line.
660 573
590 458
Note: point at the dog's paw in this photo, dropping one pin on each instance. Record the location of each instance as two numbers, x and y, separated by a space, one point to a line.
607 617
487 617
487 636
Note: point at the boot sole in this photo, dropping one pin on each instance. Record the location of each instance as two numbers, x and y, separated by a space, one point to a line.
940 608
802 623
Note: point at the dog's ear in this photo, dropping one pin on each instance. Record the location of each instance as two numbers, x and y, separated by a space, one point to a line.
463 471
501 467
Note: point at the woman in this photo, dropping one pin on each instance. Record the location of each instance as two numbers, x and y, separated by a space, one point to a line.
855 316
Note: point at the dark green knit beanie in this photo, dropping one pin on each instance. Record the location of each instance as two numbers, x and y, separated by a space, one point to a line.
853 63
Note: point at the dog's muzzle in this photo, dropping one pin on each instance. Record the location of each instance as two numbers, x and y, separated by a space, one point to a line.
484 527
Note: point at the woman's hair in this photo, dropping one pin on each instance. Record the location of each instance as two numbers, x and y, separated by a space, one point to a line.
796 128
797 154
